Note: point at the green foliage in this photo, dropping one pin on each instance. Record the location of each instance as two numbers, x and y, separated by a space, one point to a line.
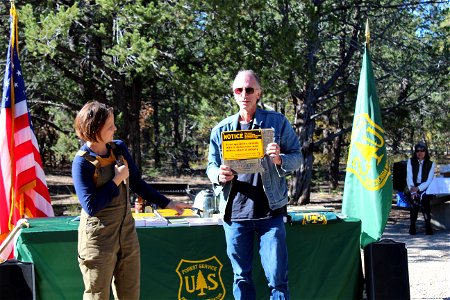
151 173
64 149
42 35
179 58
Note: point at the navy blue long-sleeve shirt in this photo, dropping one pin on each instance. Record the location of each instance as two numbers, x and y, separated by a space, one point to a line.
93 199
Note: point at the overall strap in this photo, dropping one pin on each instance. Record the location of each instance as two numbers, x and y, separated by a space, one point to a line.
93 160
89 158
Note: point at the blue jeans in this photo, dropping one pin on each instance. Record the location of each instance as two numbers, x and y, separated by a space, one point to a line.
271 235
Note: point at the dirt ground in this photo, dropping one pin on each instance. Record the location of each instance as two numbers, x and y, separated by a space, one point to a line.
65 202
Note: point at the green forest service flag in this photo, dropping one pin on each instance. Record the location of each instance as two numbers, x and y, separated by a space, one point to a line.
368 182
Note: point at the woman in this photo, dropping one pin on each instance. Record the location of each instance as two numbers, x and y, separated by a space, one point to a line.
102 171
419 174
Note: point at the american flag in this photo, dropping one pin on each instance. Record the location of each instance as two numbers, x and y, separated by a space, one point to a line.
23 188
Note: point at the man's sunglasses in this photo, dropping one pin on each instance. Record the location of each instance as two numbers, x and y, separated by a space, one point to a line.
248 90
420 150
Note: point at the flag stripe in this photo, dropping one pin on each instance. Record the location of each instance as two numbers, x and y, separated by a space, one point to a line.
42 208
25 162
20 108
23 130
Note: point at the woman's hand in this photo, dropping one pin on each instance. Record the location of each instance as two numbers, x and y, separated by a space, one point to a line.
414 189
120 174
178 206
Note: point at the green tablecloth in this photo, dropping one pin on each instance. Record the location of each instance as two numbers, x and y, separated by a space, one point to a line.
191 262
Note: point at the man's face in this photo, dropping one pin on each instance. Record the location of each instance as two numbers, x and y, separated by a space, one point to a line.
246 92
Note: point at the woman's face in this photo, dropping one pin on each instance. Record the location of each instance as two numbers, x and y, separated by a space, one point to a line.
420 153
106 134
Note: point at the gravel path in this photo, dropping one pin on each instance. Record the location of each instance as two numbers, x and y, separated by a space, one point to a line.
428 257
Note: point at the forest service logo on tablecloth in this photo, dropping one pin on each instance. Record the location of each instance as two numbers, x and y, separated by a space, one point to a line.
200 279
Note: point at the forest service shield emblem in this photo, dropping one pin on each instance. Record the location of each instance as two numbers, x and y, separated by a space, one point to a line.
367 160
200 279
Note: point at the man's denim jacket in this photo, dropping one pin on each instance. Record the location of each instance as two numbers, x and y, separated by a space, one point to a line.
273 176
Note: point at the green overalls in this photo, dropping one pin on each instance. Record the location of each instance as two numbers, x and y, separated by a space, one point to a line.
108 247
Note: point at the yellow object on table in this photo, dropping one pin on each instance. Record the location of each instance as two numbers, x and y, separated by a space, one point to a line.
143 215
172 213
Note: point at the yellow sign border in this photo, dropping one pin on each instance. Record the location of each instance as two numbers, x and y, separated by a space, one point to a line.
242 144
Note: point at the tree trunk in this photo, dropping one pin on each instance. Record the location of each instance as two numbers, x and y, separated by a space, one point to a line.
176 138
339 121
306 99
305 104
302 178
127 101
336 150
134 117
156 129
121 107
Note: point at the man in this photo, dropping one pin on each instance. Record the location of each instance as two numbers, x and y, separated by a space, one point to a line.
255 203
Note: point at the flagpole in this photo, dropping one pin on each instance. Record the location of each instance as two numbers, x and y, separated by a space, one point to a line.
13 198
22 223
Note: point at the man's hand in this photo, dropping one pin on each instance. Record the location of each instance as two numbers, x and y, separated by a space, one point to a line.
225 174
273 150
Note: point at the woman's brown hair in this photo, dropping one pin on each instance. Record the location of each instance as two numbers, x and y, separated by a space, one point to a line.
91 119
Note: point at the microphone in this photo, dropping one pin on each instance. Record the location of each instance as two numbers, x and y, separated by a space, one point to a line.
119 162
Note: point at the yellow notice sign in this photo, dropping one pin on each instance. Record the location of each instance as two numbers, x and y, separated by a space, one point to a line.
242 144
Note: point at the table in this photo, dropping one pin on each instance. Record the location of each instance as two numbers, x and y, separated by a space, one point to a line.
439 185
324 261
440 205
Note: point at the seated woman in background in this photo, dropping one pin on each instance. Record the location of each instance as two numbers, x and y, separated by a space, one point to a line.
419 174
